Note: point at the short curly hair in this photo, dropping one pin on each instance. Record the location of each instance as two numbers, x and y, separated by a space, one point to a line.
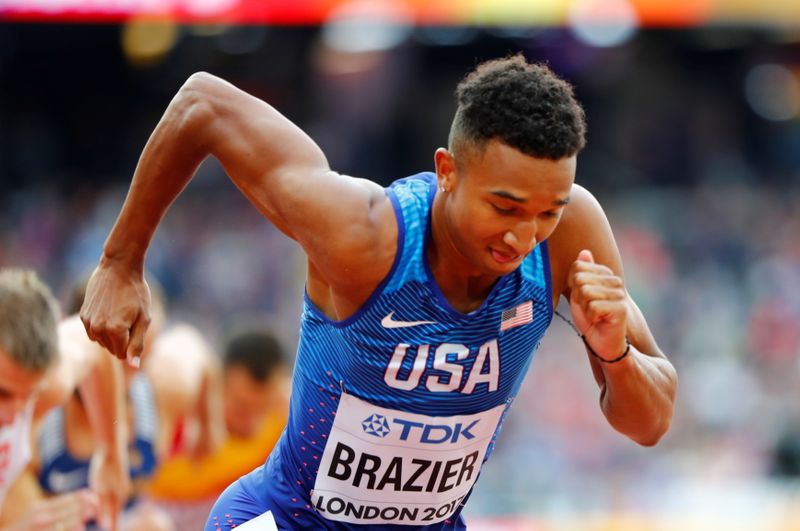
525 106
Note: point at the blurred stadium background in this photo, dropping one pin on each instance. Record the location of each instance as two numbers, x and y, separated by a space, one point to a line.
694 150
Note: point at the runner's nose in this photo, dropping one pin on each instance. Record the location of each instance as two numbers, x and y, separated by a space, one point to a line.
522 238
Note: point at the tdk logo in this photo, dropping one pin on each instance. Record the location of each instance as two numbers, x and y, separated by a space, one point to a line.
434 433
376 425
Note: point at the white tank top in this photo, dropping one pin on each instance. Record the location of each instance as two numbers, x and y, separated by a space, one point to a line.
15 450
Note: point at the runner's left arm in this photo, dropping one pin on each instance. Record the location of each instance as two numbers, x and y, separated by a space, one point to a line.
637 392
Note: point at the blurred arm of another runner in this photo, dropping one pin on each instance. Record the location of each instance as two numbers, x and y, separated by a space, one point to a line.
26 509
345 225
209 411
187 383
86 366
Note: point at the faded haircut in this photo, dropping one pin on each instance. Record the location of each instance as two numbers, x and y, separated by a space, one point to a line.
525 106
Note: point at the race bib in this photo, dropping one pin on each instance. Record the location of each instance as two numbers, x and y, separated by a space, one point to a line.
263 522
383 466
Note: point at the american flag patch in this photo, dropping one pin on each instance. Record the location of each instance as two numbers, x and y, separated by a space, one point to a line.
519 315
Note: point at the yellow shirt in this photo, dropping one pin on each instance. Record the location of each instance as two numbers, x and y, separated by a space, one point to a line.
180 478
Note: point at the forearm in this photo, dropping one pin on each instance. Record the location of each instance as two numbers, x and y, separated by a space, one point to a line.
20 500
638 395
170 158
209 404
103 393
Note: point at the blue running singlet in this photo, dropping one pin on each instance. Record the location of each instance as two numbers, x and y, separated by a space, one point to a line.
395 409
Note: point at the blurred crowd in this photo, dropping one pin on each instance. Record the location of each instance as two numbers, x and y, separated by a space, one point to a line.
702 193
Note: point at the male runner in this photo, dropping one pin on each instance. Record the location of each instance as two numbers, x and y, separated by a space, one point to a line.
424 301
37 372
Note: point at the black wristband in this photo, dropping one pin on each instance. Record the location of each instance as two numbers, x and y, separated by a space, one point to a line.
618 358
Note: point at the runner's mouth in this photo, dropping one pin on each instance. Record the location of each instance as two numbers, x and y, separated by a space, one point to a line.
503 258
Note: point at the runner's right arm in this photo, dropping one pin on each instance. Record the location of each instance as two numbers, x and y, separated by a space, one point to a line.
338 220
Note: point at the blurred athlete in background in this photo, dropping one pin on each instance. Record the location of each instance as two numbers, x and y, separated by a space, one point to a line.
178 380
256 387
39 370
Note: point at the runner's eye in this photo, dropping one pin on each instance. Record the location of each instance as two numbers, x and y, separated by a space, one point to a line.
503 211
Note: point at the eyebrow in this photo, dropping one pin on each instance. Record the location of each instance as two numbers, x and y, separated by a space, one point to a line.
512 197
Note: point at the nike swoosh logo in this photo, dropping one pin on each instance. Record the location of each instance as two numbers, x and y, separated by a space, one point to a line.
389 322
